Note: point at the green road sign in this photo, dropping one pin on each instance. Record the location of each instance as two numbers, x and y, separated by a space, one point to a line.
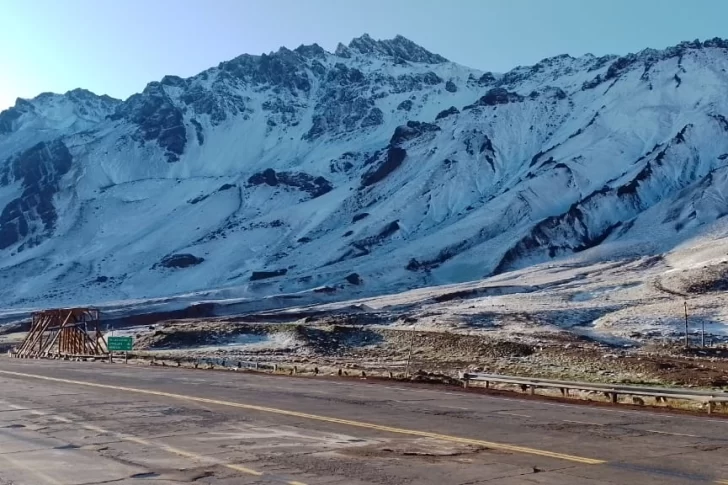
120 344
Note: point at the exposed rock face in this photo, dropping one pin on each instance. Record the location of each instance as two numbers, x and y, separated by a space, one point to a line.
452 110
158 119
31 217
394 158
178 261
314 186
398 48
496 96
354 279
411 130
264 275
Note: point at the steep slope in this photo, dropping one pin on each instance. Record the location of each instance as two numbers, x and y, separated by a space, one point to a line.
375 168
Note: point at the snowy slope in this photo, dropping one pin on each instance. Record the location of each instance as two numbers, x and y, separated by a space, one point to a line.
375 168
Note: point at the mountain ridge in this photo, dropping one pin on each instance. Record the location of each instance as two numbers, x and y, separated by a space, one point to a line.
381 159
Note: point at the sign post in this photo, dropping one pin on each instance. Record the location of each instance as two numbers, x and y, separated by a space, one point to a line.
687 337
120 344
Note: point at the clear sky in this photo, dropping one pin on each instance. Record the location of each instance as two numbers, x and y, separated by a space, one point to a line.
116 46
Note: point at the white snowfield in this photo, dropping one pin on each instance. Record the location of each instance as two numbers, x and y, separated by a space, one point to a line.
284 179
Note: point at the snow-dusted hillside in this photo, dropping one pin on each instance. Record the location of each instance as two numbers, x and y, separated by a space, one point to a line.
373 169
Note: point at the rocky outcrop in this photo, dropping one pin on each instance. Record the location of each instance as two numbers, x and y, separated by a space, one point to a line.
413 129
157 119
179 261
495 97
405 105
394 158
354 279
399 48
31 217
452 110
314 186
264 275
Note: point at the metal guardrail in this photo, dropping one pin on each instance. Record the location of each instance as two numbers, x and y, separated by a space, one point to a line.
612 391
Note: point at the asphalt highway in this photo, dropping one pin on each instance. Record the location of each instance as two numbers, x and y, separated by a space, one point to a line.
74 423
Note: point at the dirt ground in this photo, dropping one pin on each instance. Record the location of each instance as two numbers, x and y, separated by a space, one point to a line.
379 350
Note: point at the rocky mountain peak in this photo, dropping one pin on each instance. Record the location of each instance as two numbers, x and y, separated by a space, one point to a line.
399 48
56 109
311 51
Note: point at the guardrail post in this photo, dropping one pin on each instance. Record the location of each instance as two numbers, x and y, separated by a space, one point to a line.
487 384
614 397
533 390
465 381
711 407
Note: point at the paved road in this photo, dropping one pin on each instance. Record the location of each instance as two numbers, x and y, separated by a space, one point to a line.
92 423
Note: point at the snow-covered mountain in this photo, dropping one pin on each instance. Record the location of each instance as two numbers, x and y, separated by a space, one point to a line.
375 168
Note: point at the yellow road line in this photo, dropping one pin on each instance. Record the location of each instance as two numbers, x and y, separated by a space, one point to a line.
136 440
722 482
177 451
249 471
314 417
170 449
95 428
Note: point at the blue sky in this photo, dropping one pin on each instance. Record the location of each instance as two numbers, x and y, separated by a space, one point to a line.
117 46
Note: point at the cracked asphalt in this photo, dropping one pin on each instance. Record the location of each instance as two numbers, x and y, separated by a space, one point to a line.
73 423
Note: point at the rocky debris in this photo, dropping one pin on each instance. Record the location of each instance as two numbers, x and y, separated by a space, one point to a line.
696 281
314 186
262 275
178 261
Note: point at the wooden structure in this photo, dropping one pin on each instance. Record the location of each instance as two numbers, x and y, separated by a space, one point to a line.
64 332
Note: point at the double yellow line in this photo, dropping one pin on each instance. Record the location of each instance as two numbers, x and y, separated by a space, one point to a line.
326 419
